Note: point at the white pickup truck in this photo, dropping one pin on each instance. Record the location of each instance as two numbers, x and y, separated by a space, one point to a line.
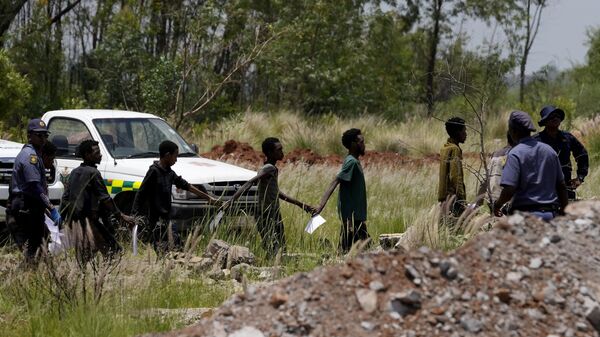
129 143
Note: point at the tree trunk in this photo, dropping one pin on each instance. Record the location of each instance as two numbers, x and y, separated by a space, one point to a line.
9 10
434 40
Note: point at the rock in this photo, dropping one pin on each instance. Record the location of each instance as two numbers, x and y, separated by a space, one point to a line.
215 247
278 299
238 271
239 254
593 316
367 326
503 295
470 324
514 276
555 238
389 241
247 331
448 270
376 285
405 303
536 263
367 299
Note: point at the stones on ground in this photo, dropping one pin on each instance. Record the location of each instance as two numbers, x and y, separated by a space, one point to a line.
215 247
238 271
593 317
514 276
368 326
376 286
247 331
367 299
278 299
405 303
411 272
536 263
448 270
239 254
470 324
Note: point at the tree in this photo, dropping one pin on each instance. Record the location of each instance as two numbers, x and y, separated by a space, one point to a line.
15 91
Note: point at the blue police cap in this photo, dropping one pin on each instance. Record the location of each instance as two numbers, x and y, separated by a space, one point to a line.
547 110
37 125
520 119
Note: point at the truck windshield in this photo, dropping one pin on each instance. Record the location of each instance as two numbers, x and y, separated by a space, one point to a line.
138 137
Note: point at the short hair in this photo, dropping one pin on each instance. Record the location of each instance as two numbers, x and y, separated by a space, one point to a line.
350 136
268 144
167 146
86 147
454 125
49 149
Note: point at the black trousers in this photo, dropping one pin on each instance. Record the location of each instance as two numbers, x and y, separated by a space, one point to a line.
352 231
25 220
102 235
161 235
271 230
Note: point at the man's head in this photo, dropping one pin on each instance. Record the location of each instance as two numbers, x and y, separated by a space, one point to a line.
551 117
168 152
272 149
48 154
37 133
89 151
354 141
520 125
456 129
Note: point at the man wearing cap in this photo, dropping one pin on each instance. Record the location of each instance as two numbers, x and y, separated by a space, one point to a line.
29 192
565 144
532 176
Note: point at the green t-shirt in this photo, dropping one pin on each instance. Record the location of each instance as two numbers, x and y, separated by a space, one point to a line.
352 202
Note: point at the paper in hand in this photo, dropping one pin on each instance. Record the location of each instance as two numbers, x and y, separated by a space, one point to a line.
134 239
215 222
314 223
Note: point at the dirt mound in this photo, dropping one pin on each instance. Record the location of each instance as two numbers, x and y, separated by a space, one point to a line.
244 154
524 278
235 151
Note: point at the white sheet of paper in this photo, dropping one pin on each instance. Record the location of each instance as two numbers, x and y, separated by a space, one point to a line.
314 223
215 222
134 239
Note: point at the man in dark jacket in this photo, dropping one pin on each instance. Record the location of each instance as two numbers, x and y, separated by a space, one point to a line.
86 201
565 145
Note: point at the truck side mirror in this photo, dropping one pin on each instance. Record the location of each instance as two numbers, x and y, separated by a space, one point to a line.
195 148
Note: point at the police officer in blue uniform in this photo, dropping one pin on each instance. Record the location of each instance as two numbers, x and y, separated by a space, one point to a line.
532 177
29 192
565 145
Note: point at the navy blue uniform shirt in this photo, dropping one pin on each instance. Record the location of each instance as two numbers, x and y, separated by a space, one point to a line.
29 174
565 144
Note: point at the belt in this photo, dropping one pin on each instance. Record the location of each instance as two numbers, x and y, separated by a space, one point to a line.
536 208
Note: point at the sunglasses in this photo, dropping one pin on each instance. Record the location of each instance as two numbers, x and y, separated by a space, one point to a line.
41 134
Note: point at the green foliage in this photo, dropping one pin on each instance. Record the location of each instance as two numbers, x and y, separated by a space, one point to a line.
15 90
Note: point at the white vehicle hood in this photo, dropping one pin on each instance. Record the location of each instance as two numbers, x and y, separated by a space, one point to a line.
196 170
9 149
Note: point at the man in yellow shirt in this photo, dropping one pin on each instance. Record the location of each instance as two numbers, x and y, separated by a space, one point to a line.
451 181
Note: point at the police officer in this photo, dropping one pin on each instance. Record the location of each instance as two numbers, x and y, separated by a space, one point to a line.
29 192
532 176
565 145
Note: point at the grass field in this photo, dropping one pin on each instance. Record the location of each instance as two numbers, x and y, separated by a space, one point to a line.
66 303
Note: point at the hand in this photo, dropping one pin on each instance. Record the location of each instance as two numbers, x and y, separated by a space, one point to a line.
55 216
498 211
317 210
575 183
309 209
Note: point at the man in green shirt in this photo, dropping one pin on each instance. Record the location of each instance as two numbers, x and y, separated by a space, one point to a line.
352 202
451 181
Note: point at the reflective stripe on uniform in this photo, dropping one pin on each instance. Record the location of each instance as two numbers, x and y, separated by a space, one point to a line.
115 186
